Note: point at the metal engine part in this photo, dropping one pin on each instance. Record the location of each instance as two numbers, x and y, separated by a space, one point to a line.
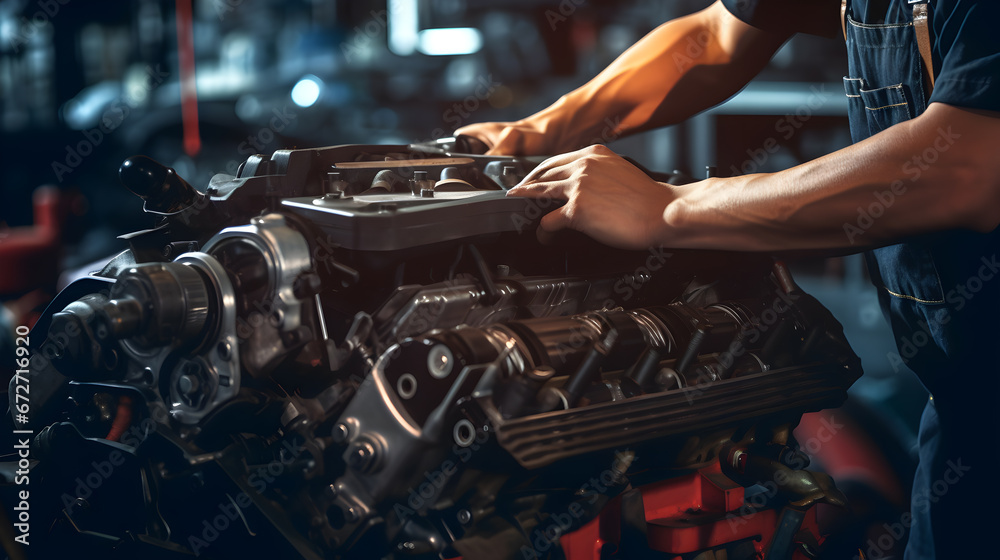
364 352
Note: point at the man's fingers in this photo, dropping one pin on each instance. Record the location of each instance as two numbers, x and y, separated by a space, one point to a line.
555 220
551 224
558 189
555 168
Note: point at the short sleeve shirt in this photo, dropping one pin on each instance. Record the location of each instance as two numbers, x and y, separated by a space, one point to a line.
964 38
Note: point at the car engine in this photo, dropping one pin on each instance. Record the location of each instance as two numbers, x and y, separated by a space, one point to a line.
364 352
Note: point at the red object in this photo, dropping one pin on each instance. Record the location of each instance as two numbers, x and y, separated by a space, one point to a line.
28 255
685 514
189 90
848 452
123 419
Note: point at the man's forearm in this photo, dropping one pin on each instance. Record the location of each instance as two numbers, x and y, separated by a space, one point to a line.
679 69
932 173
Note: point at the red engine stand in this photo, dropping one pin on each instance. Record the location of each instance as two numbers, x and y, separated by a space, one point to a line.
686 514
28 255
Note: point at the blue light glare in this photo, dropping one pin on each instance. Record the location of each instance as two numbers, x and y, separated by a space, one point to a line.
306 91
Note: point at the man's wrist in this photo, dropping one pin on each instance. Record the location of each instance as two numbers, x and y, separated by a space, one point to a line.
674 221
555 125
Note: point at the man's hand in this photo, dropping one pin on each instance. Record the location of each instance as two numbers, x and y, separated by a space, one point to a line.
520 138
932 173
606 197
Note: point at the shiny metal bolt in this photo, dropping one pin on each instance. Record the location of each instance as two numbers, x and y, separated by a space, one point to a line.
187 384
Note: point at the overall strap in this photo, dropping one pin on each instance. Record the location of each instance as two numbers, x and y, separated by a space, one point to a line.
921 17
843 17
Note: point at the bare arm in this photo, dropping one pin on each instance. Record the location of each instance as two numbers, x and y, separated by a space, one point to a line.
679 69
932 173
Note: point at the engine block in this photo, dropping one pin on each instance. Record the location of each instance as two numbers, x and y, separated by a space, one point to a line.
363 351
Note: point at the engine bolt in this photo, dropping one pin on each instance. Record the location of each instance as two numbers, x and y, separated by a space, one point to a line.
439 361
187 383
464 516
340 433
361 457
351 515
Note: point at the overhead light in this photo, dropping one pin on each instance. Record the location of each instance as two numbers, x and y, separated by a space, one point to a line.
450 41
405 36
403 28
306 91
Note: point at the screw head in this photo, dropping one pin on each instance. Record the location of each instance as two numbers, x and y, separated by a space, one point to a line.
340 433
187 383
351 515
361 457
440 361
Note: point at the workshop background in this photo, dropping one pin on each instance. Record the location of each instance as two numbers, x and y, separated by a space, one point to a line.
85 84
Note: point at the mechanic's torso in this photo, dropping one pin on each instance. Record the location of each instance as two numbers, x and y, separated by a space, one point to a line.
938 291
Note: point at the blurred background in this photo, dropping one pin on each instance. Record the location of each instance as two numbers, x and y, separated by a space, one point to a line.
86 83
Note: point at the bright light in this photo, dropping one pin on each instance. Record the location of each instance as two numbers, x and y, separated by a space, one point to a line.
306 92
450 41
406 37
403 27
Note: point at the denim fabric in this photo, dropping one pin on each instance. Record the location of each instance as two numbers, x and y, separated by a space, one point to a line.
941 294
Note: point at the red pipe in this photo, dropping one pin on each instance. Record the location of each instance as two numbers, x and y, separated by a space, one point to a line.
189 90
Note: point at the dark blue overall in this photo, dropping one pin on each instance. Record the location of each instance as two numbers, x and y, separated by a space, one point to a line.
941 293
